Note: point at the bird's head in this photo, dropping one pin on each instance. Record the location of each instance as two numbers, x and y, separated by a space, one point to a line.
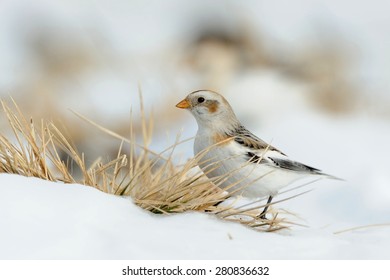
210 109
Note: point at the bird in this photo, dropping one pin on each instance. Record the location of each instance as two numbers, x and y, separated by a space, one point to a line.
235 159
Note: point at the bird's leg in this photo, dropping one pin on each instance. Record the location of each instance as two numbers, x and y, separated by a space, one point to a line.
218 203
262 215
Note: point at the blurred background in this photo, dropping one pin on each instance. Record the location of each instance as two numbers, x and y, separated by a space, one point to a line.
312 77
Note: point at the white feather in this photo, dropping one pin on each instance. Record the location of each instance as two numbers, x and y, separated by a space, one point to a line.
229 167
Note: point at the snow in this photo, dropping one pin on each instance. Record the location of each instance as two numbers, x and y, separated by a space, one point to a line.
141 43
46 220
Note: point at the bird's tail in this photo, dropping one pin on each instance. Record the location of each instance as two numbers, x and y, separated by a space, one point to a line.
327 176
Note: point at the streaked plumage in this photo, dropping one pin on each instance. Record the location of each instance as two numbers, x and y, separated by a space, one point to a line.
257 169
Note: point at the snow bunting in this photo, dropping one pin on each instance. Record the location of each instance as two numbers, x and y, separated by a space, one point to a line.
234 158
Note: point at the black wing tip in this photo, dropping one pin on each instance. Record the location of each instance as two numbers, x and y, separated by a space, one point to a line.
290 165
252 157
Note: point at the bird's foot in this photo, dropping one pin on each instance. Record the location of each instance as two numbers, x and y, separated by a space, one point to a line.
263 216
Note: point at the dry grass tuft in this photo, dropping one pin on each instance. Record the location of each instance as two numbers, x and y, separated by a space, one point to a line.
151 179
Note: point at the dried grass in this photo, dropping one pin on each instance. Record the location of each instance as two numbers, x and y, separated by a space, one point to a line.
367 227
151 179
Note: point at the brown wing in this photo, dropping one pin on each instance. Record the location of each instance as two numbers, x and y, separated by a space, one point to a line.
245 138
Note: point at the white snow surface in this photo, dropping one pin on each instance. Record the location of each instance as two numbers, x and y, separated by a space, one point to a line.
46 220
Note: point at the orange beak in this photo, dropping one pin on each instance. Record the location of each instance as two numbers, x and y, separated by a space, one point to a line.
184 104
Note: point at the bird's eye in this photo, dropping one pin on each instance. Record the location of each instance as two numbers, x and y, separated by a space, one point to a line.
201 99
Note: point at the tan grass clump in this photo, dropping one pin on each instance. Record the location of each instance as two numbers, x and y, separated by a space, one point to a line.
151 179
